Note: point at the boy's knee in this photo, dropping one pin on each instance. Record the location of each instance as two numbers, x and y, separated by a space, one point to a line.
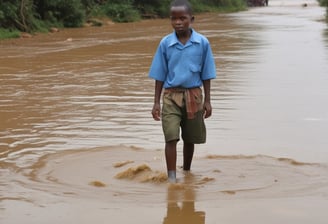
172 142
171 145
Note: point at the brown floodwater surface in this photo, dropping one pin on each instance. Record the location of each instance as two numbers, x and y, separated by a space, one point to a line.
78 143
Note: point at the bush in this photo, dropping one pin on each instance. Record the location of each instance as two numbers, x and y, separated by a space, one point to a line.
5 33
153 7
8 12
16 14
61 12
218 5
121 12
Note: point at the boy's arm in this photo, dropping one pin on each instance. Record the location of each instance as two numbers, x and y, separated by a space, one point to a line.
207 100
156 112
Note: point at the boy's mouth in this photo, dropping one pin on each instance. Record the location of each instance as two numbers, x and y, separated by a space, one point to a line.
179 28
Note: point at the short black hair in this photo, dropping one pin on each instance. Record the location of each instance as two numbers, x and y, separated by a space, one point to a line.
184 3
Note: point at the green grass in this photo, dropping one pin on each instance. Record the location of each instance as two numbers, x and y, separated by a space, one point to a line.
7 34
224 6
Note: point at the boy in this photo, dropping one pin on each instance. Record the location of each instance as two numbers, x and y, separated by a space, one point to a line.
182 64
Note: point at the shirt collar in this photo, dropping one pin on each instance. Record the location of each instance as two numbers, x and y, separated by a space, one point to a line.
194 38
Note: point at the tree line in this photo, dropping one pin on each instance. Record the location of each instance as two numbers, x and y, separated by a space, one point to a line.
39 15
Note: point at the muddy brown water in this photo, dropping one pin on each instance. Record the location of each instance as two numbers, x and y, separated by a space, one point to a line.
75 116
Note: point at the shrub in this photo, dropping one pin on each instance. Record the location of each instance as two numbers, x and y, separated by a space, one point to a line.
121 12
153 7
8 12
218 5
16 14
61 12
6 33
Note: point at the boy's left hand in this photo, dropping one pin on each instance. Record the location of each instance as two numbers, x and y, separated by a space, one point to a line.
207 110
156 112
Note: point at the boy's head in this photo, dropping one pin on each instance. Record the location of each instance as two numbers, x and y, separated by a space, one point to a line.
181 16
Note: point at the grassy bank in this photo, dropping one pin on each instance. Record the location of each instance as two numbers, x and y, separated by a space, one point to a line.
218 6
6 34
119 12
39 15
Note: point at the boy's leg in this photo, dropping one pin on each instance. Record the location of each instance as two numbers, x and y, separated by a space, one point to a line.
171 119
193 132
171 154
171 160
188 153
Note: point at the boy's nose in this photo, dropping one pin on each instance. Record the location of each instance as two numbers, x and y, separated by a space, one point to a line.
177 21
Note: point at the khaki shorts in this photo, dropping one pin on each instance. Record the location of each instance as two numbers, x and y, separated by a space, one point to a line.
174 117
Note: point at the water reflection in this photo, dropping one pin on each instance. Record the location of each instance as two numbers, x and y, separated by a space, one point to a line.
181 205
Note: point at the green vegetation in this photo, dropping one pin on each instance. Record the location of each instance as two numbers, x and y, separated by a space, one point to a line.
324 3
60 12
5 33
39 15
119 11
218 5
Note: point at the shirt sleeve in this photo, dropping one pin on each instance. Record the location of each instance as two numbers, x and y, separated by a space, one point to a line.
158 69
209 68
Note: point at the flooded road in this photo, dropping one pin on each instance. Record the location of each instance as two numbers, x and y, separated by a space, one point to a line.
75 103
89 87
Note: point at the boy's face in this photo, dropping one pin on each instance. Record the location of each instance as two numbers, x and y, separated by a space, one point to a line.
180 19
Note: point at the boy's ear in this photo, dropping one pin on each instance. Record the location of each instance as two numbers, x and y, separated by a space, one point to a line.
192 18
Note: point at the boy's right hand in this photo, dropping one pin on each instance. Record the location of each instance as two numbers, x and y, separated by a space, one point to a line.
156 112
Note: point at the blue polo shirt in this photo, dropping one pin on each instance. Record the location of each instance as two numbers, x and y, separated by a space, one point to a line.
184 66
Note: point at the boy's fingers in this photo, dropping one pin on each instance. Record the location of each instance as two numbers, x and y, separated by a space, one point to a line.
156 112
207 112
156 115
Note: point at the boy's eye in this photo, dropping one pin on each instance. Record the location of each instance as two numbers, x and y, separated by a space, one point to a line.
182 18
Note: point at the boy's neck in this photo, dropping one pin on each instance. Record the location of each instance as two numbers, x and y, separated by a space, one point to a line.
184 37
